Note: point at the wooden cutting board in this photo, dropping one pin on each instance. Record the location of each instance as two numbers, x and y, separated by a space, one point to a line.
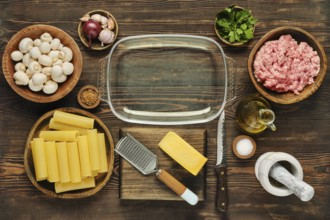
136 186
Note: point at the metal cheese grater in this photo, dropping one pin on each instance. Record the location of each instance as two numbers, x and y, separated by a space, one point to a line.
146 162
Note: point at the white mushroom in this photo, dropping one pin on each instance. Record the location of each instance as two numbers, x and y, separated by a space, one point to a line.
67 54
21 78
29 73
46 71
50 87
61 78
37 42
16 55
57 61
55 44
45 47
33 87
35 67
46 37
56 71
20 67
67 68
53 54
27 59
39 79
35 52
45 60
25 45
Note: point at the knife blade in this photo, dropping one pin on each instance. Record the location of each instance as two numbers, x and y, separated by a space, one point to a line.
221 167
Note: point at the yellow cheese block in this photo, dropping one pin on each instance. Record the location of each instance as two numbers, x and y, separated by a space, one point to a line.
39 158
59 135
103 153
182 152
94 149
73 119
63 162
83 184
65 127
74 163
85 164
52 164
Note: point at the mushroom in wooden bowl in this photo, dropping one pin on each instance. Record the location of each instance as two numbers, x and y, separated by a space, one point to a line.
69 153
42 63
287 65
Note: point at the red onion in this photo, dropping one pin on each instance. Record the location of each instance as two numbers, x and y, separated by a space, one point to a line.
91 30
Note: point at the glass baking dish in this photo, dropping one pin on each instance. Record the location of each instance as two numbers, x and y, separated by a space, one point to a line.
166 79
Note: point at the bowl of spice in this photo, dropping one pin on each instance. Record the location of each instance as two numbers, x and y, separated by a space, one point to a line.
244 146
88 97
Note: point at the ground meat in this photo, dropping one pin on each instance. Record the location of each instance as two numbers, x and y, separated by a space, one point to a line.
285 66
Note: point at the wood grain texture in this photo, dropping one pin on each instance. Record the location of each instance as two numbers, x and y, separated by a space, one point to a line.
303 128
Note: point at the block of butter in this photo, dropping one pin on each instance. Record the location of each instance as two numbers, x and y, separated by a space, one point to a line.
182 152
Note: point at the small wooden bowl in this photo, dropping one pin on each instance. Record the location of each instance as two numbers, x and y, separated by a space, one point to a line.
47 187
88 104
34 32
299 35
235 44
234 146
96 44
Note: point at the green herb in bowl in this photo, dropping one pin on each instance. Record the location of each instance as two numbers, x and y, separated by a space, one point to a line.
235 25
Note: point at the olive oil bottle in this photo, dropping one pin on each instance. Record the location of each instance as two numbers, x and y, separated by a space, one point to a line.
254 115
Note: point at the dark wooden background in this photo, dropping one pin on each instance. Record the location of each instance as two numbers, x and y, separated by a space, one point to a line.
303 128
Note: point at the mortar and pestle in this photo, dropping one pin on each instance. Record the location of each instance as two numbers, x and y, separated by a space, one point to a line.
270 165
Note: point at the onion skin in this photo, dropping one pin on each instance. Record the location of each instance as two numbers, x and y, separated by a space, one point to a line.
91 30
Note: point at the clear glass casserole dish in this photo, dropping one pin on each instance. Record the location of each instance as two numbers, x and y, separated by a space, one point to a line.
166 79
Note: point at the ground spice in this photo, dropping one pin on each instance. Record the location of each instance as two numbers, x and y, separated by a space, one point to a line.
89 97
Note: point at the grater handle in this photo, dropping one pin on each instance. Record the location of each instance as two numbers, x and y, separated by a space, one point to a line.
177 187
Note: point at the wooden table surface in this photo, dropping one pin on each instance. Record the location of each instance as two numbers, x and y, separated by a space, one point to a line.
303 128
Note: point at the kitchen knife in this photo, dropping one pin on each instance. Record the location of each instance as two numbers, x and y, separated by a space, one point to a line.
220 167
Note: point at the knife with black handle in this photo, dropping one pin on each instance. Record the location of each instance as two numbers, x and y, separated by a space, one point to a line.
221 167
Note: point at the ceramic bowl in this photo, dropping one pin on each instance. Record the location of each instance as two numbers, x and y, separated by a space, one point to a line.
299 35
96 44
34 32
48 188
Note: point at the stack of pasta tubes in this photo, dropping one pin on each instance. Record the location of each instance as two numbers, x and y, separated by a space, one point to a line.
71 154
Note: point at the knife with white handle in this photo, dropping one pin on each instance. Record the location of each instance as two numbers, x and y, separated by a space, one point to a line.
220 167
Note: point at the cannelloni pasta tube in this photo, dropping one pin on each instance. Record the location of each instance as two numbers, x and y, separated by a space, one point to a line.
63 162
85 165
74 163
59 135
103 153
65 127
73 119
94 149
52 164
39 159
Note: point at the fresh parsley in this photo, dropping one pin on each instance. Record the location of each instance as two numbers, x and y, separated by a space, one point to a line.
235 25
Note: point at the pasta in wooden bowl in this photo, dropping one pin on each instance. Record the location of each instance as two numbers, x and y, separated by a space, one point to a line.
70 188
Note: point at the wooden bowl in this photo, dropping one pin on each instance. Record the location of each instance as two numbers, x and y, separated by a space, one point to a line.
47 187
34 32
235 44
96 44
299 35
87 104
237 153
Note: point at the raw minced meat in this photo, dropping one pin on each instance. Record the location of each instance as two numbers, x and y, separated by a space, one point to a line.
283 65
